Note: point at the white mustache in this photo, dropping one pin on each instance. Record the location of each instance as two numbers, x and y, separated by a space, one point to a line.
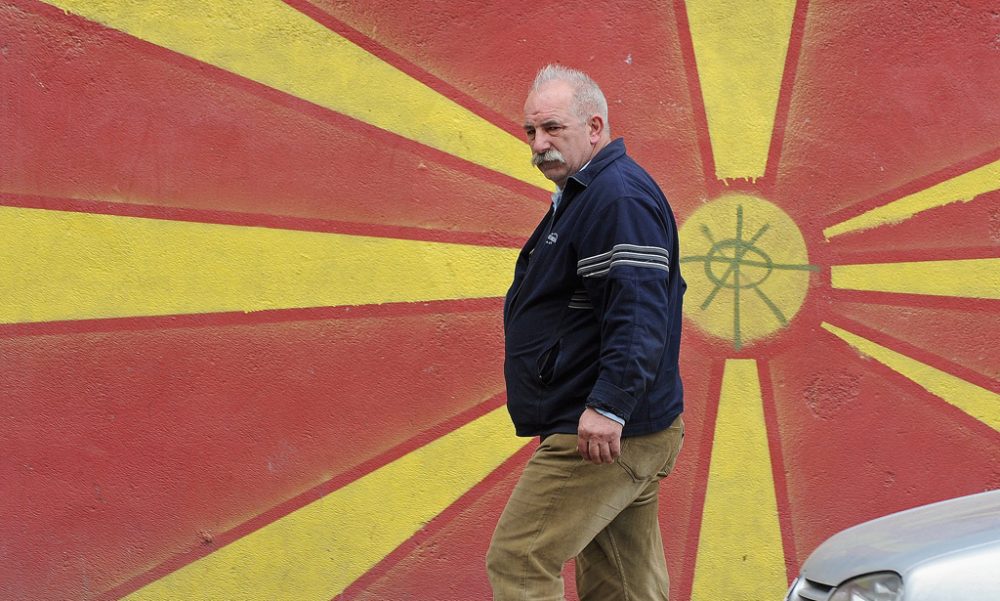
549 155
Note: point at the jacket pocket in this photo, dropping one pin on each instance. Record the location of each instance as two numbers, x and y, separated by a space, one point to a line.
522 390
545 366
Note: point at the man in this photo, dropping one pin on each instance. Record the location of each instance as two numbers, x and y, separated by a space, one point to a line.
592 324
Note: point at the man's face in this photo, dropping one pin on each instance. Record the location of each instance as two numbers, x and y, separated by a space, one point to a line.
560 143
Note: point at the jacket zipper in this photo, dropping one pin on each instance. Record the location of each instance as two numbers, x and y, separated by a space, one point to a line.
543 236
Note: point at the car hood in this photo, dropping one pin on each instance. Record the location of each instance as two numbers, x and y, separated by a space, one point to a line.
901 541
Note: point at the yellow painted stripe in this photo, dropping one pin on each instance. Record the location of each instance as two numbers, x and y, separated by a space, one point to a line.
740 49
317 551
962 188
978 402
270 42
740 554
58 265
967 278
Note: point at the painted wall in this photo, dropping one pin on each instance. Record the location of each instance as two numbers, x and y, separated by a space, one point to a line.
252 255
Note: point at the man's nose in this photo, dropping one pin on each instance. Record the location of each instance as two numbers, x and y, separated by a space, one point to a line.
540 143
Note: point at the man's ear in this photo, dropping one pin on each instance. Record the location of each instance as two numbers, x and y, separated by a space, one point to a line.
595 128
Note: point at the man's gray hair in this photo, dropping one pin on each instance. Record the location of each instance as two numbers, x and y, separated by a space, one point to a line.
588 99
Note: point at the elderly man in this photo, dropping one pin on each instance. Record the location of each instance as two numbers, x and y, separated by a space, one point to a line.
593 325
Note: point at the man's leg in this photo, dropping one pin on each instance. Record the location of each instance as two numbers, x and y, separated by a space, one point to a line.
625 560
559 505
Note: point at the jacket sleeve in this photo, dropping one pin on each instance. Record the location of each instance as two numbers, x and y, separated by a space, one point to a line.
625 265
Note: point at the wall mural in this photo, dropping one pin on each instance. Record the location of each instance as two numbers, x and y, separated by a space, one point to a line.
252 257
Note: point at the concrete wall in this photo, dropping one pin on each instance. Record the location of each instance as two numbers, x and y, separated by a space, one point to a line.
252 255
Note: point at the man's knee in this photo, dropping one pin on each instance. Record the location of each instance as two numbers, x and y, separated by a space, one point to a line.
496 558
518 570
501 569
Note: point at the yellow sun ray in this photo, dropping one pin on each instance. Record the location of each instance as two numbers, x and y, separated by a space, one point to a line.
962 188
978 402
740 554
966 278
315 552
740 50
270 42
58 265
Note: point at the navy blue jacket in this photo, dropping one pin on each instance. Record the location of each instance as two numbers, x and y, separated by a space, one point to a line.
593 318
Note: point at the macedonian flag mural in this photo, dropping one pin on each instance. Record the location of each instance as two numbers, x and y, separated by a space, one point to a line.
252 255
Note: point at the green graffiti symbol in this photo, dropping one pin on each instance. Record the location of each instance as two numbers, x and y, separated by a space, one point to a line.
743 265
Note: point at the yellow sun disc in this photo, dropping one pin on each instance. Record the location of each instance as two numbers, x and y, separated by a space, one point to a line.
746 266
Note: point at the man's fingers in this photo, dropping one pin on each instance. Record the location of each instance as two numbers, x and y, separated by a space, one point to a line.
597 451
616 448
598 438
605 453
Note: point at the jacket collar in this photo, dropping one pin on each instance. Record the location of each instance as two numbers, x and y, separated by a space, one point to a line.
606 156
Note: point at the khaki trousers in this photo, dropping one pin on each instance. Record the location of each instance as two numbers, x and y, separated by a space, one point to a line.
604 515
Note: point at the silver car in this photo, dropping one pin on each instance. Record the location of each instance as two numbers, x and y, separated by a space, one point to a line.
947 551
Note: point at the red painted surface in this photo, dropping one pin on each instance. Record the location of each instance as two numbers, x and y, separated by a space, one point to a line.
134 446
861 442
426 566
149 127
634 49
150 441
884 95
956 231
950 338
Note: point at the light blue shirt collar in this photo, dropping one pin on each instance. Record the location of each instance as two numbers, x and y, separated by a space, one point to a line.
557 195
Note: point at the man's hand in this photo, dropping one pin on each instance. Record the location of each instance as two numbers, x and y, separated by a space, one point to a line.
598 438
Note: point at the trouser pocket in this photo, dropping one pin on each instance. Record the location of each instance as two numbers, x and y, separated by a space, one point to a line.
652 456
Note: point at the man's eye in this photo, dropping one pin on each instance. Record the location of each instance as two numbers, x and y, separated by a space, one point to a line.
553 130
